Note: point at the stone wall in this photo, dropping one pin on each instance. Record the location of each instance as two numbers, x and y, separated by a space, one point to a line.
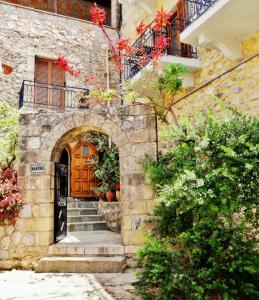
237 85
26 33
42 136
111 211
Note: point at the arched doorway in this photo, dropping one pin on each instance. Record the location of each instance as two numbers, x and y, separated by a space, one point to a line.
132 130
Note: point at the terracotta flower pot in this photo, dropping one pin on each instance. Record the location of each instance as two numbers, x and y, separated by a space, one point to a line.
100 196
110 196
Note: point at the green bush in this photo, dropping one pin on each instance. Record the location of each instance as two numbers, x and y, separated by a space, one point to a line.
204 239
9 122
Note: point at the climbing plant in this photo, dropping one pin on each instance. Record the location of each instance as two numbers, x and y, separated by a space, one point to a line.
168 85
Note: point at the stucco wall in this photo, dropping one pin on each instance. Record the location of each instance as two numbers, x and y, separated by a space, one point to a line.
26 33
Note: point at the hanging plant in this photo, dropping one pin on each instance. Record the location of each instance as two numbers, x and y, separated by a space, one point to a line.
10 198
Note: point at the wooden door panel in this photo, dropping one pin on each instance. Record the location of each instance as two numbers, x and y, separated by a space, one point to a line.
83 180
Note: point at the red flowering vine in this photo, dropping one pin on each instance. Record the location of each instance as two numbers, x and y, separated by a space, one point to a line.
62 62
98 15
162 19
141 28
10 198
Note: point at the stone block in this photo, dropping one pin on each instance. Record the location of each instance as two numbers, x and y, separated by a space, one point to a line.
125 151
136 179
16 238
38 182
142 192
133 238
5 242
38 196
26 211
39 224
134 207
45 238
34 143
143 136
29 239
9 229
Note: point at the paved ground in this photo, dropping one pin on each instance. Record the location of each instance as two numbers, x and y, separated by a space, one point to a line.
95 237
27 285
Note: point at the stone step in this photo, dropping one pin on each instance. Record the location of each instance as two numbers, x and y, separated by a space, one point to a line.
86 226
79 204
79 249
83 218
81 211
81 264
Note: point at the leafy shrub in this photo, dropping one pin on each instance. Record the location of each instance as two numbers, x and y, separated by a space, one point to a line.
206 217
9 121
10 198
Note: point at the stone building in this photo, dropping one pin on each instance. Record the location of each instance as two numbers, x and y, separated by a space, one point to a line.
213 39
217 40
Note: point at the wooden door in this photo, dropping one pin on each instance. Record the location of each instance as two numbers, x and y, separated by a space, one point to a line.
83 180
49 84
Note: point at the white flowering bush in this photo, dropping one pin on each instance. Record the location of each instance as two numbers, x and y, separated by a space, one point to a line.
204 241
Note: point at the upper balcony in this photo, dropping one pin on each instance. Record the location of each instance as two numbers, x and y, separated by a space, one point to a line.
175 52
79 9
220 24
35 95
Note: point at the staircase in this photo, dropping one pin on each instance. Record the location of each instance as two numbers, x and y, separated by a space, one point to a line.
81 216
84 257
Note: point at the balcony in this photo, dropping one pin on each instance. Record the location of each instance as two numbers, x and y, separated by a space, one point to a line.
175 52
35 95
220 24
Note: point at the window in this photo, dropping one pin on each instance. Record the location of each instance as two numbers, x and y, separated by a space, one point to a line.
85 150
49 84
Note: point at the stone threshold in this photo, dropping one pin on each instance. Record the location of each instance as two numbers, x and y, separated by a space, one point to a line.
75 249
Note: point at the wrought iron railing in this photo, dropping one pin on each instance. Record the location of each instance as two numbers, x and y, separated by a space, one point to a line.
196 8
146 44
52 97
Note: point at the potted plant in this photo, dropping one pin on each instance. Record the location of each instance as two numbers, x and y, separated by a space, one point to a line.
106 169
100 192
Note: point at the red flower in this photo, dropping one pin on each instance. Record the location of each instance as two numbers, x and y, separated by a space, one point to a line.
162 19
10 198
62 63
161 42
118 187
141 28
156 54
98 15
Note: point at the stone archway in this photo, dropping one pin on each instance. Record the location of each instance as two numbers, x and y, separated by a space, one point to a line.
132 129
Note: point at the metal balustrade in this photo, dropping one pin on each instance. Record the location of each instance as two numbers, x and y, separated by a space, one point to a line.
38 95
196 8
146 44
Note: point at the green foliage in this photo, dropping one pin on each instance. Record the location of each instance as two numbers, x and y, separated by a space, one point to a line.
207 213
106 166
171 79
9 121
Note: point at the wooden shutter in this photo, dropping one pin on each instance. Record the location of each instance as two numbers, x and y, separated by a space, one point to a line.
57 80
49 82
41 82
